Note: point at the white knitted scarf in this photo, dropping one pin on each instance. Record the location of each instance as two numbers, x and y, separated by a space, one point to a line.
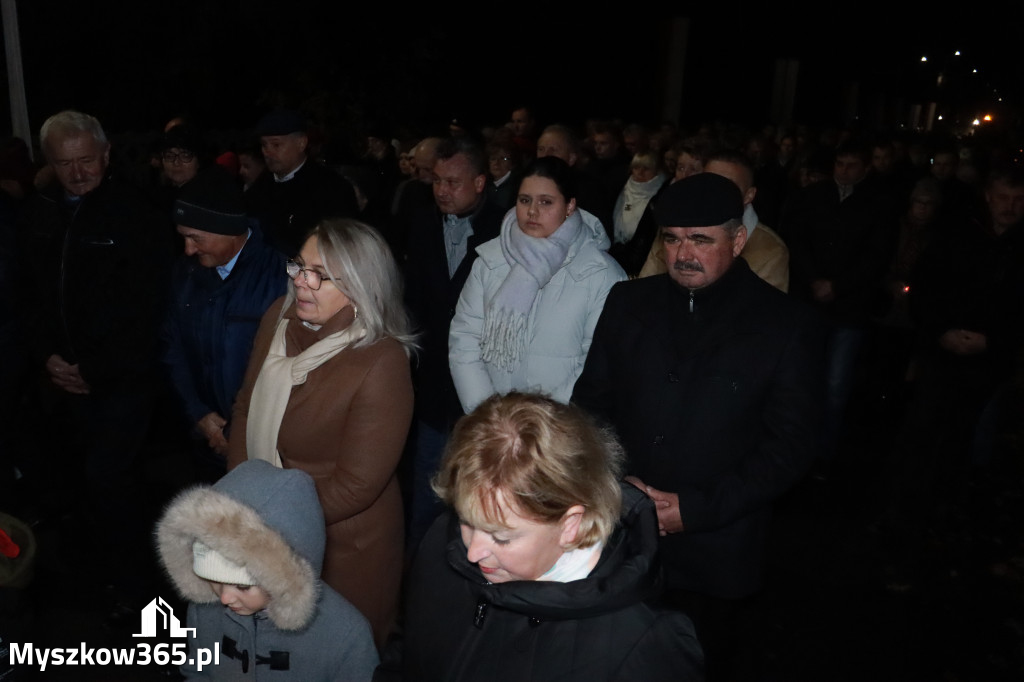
534 261
274 385
630 205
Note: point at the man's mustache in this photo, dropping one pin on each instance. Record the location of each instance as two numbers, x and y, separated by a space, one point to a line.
691 265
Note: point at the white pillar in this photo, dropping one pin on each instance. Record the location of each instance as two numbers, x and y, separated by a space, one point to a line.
15 78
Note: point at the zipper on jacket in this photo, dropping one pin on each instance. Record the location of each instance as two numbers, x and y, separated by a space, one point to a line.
691 301
60 292
481 613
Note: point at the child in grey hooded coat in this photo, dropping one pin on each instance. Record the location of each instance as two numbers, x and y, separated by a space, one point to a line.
259 533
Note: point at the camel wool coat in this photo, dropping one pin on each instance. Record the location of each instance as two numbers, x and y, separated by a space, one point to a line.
345 427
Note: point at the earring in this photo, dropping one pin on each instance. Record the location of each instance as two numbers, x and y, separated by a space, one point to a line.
355 309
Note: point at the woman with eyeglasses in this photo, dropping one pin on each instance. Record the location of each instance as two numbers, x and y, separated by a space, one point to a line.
328 391
180 152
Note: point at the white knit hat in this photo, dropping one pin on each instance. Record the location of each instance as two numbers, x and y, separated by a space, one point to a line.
210 564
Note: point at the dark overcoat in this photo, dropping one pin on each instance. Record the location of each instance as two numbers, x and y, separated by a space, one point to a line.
716 396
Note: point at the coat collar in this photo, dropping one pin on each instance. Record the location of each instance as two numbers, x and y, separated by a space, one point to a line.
625 574
668 318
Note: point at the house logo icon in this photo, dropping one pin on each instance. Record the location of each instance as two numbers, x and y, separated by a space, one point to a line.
158 616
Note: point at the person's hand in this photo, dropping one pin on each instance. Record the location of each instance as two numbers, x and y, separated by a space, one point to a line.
212 428
66 376
963 342
821 289
670 520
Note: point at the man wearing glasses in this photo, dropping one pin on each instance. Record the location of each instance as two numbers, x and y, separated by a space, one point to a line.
97 256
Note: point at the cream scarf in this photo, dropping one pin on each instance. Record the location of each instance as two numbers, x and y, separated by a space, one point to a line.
630 205
274 385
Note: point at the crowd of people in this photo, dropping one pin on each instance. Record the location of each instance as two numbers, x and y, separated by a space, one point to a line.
555 379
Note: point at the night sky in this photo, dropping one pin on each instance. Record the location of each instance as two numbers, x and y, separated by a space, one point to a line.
226 61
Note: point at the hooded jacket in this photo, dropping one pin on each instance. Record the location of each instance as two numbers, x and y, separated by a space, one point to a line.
460 627
558 330
269 521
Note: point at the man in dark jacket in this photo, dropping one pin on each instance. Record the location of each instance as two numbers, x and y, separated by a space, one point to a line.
712 379
220 289
841 237
442 248
99 256
298 192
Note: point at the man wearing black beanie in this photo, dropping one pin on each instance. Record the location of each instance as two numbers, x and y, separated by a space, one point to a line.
221 287
712 379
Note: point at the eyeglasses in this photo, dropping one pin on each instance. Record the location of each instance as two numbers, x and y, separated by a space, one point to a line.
312 278
184 157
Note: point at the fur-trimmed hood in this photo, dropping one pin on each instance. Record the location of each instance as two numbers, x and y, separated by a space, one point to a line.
263 518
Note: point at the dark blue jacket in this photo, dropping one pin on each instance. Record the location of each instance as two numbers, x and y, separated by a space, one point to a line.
210 325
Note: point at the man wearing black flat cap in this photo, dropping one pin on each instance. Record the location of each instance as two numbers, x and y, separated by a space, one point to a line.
712 379
297 192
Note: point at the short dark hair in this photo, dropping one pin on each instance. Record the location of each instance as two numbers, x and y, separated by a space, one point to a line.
572 140
733 156
506 147
1009 174
556 170
606 128
854 148
698 147
474 153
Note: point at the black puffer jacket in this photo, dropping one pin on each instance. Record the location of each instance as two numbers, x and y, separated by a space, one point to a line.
459 627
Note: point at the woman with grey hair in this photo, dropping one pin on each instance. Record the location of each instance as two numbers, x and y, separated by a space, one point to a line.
328 391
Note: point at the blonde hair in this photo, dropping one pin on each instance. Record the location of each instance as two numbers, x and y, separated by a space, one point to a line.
538 456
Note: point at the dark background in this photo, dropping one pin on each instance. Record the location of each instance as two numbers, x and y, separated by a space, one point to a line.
224 62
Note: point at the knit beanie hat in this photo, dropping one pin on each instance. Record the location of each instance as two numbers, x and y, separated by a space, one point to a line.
211 202
210 564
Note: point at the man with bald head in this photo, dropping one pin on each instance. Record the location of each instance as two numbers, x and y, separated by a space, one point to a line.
413 196
560 141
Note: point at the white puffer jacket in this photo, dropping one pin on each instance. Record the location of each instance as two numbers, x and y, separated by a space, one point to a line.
559 329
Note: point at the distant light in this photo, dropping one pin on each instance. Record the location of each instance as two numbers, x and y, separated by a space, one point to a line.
974 71
957 53
924 59
940 117
987 117
1000 99
975 122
